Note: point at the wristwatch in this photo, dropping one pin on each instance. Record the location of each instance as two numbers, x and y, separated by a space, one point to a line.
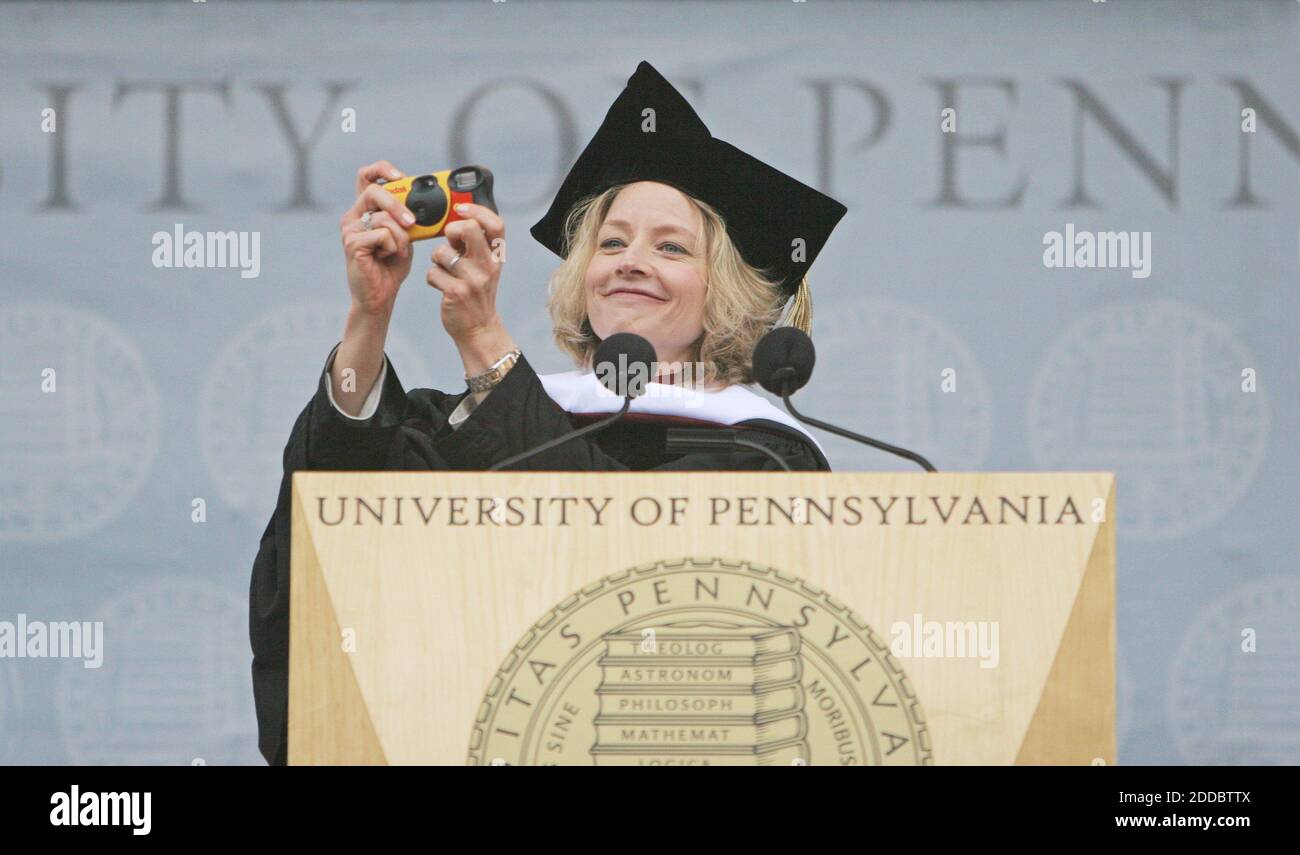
494 374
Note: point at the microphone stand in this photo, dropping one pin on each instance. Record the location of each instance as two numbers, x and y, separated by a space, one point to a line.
848 434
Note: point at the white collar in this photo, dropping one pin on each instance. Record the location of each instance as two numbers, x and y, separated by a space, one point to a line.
578 392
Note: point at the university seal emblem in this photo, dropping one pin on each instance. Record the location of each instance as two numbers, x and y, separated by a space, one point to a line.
700 662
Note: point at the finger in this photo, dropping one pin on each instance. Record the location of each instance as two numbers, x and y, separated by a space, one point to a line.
491 223
352 223
376 198
467 238
368 174
382 200
382 219
448 284
465 269
375 243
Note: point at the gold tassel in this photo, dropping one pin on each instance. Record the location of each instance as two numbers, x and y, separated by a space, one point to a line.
801 308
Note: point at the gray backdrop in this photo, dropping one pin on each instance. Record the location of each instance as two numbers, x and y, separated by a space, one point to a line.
181 384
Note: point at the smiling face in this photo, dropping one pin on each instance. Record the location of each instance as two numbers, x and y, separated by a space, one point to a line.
647 274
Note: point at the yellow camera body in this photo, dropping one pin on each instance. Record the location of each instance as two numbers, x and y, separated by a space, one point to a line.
431 197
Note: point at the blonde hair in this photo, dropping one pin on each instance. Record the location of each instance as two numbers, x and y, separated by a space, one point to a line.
741 302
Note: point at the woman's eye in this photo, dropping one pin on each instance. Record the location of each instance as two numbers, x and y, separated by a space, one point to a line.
608 241
675 246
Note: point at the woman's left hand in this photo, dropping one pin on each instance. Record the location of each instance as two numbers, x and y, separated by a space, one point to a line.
469 288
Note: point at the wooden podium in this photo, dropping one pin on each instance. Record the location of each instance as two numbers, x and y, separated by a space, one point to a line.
711 618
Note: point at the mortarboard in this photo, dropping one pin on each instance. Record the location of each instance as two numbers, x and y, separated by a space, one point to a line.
765 209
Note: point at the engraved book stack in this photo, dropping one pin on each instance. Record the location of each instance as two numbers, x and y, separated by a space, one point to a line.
701 694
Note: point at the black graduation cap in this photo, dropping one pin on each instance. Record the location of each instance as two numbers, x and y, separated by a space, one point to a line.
765 209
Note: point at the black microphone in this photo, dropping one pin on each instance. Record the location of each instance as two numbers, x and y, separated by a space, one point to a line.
623 363
783 363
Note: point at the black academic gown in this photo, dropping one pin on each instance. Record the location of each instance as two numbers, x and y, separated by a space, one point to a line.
409 431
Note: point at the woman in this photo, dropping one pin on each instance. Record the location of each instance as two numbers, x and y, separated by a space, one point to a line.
665 232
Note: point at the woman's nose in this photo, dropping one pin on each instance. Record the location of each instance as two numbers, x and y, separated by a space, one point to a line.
631 260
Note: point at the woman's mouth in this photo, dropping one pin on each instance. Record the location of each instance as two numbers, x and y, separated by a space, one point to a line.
635 295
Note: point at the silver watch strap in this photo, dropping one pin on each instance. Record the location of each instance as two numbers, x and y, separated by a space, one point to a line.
491 377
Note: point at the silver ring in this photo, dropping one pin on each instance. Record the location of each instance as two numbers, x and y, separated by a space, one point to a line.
453 262
365 220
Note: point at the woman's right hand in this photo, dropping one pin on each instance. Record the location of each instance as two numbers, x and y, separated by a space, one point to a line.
378 259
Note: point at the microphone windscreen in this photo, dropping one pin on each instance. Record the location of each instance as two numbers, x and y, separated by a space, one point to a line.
783 360
624 363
